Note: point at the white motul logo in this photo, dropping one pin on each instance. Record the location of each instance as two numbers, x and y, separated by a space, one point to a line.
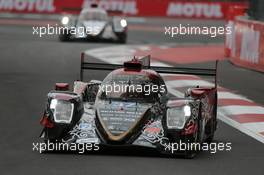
127 7
28 5
195 10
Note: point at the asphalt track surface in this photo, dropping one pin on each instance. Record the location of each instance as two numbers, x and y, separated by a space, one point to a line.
29 68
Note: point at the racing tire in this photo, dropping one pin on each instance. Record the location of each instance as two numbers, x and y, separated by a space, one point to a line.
122 39
212 127
210 130
64 37
190 154
197 138
210 139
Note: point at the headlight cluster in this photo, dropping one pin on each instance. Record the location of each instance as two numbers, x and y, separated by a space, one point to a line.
62 110
65 20
123 23
177 117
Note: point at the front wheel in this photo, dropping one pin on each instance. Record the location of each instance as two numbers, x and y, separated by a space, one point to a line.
211 127
209 139
64 35
190 154
122 41
193 140
122 38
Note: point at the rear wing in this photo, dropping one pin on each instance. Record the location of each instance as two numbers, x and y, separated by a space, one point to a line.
145 61
77 10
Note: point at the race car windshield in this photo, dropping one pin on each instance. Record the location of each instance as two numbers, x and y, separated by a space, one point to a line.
98 16
130 88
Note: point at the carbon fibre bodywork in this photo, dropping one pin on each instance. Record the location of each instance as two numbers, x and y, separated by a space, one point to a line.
140 121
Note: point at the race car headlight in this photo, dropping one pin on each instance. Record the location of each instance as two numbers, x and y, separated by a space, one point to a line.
176 117
123 23
62 110
65 20
95 32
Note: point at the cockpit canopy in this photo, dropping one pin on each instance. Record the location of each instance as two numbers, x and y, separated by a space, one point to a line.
145 86
93 14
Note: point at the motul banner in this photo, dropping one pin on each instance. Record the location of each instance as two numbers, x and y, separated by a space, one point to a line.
162 8
28 6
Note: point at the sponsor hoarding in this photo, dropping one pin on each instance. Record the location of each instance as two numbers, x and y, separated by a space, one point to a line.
164 8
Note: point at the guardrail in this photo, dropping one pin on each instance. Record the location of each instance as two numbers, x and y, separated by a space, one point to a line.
245 46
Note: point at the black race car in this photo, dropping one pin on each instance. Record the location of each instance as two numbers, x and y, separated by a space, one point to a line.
132 107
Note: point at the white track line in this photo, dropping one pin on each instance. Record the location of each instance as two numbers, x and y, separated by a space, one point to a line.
256 127
240 127
229 95
238 109
188 83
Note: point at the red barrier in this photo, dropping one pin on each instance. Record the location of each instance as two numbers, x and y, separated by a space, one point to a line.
232 13
162 8
247 44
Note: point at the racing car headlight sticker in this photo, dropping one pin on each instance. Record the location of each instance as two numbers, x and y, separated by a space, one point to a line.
123 23
65 20
176 117
62 110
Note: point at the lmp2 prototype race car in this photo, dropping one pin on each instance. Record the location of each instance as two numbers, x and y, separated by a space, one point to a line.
93 24
140 112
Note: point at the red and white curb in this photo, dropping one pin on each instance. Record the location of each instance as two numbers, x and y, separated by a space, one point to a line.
235 110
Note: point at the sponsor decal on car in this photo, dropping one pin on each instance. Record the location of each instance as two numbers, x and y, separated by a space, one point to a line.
88 140
85 126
